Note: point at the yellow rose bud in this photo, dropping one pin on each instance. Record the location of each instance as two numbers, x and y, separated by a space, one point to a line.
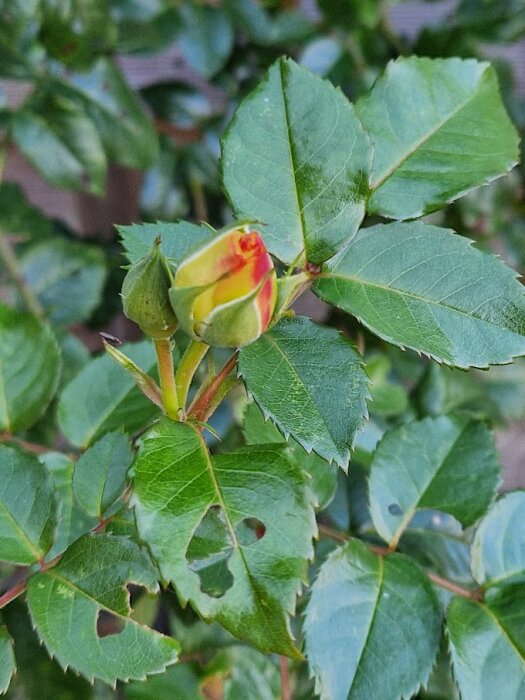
145 295
225 293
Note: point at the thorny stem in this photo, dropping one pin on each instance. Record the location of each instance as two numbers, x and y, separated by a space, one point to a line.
188 365
475 594
206 397
11 263
167 378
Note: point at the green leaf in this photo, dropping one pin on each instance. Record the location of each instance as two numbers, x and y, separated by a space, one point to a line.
180 682
128 135
387 397
366 610
310 381
7 660
72 522
37 675
27 507
62 143
206 38
323 475
251 675
425 288
449 463
103 397
29 369
244 525
498 549
439 130
177 240
18 216
100 473
487 644
66 601
67 277
296 158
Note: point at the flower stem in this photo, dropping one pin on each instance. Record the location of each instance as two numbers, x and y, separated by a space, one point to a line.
12 593
188 365
167 377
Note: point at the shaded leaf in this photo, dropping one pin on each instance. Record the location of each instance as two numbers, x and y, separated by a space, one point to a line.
179 488
65 603
487 644
124 128
364 609
448 463
177 240
439 130
309 379
100 473
206 37
103 397
296 158
7 660
29 369
323 475
498 549
27 507
425 288
67 277
72 522
62 143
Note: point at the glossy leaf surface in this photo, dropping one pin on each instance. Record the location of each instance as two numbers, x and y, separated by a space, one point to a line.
364 608
296 158
498 550
244 525
310 381
439 129
100 473
487 644
448 463
29 369
424 288
27 507
177 240
68 279
7 660
110 399
65 602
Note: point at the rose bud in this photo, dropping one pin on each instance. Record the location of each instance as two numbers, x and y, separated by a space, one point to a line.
224 294
145 294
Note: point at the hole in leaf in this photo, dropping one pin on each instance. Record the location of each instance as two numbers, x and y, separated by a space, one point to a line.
108 624
250 530
209 551
395 509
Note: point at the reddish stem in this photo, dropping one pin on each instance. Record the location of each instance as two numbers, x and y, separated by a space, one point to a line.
199 407
473 594
285 680
12 593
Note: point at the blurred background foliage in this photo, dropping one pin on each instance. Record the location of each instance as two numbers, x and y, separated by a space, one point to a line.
113 111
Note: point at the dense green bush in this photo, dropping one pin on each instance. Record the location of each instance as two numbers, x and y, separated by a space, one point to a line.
318 491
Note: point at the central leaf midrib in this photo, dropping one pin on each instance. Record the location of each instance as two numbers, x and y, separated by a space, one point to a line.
292 155
229 523
29 545
411 295
272 340
408 516
426 137
372 618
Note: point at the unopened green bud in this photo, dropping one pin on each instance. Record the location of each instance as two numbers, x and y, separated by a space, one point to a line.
145 294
